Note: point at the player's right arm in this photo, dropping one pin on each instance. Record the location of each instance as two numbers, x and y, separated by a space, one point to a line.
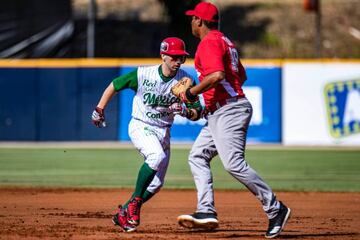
106 97
128 80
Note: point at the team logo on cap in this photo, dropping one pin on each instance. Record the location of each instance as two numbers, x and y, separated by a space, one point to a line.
342 101
164 46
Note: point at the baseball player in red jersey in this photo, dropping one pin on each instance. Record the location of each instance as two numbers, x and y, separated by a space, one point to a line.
221 77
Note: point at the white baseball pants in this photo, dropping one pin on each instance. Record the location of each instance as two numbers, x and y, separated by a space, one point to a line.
153 143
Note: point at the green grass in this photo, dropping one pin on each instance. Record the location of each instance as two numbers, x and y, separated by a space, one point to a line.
290 170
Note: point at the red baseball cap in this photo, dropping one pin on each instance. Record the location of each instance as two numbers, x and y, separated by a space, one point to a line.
206 11
173 46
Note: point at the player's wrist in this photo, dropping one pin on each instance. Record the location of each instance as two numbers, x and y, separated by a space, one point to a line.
99 110
189 96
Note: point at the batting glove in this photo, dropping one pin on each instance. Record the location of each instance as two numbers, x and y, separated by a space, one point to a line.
98 117
178 108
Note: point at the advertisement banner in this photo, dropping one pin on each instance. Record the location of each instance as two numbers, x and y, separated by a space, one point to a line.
263 89
321 103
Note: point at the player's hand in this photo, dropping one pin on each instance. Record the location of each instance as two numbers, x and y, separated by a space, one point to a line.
182 90
178 108
98 117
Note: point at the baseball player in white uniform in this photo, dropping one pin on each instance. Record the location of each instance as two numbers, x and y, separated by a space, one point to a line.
153 111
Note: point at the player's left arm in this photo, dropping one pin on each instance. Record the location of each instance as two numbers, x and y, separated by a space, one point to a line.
210 81
211 57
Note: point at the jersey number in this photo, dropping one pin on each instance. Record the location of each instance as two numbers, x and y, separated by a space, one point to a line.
234 56
234 59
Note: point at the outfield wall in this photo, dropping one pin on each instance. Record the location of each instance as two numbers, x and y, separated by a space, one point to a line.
53 104
263 90
52 100
321 103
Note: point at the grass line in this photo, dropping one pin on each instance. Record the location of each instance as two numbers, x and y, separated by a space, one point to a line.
283 169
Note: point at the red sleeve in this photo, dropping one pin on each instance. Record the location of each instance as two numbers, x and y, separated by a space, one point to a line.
211 56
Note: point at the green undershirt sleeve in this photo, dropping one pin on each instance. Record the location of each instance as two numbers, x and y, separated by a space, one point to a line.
196 104
128 80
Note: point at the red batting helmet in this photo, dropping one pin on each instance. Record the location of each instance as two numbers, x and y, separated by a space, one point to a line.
173 46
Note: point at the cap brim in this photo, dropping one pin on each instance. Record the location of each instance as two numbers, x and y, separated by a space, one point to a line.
190 13
193 13
177 53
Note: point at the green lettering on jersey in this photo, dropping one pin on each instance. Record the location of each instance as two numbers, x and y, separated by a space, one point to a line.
157 115
149 99
158 100
147 83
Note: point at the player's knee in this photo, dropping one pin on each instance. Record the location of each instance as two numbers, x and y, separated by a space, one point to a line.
155 160
156 185
156 188
236 165
197 155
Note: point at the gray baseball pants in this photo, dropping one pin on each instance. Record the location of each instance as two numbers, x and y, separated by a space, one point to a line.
225 134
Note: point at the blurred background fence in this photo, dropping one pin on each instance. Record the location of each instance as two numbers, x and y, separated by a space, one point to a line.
260 28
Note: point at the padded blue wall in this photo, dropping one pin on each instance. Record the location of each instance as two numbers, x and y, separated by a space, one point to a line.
268 80
51 104
55 104
18 104
92 83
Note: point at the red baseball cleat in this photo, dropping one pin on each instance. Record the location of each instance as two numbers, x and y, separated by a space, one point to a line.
133 211
120 219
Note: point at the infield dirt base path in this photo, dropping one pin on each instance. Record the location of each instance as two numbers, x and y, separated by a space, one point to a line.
44 213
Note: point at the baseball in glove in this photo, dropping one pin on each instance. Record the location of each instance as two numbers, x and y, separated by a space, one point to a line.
180 88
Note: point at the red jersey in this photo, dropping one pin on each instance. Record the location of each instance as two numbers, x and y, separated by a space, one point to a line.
215 53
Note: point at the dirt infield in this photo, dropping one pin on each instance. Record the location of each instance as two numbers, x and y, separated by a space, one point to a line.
31 213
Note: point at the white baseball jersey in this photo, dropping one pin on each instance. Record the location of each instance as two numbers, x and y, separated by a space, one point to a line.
153 95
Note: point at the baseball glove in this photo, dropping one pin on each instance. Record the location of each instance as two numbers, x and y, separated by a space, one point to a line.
181 86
